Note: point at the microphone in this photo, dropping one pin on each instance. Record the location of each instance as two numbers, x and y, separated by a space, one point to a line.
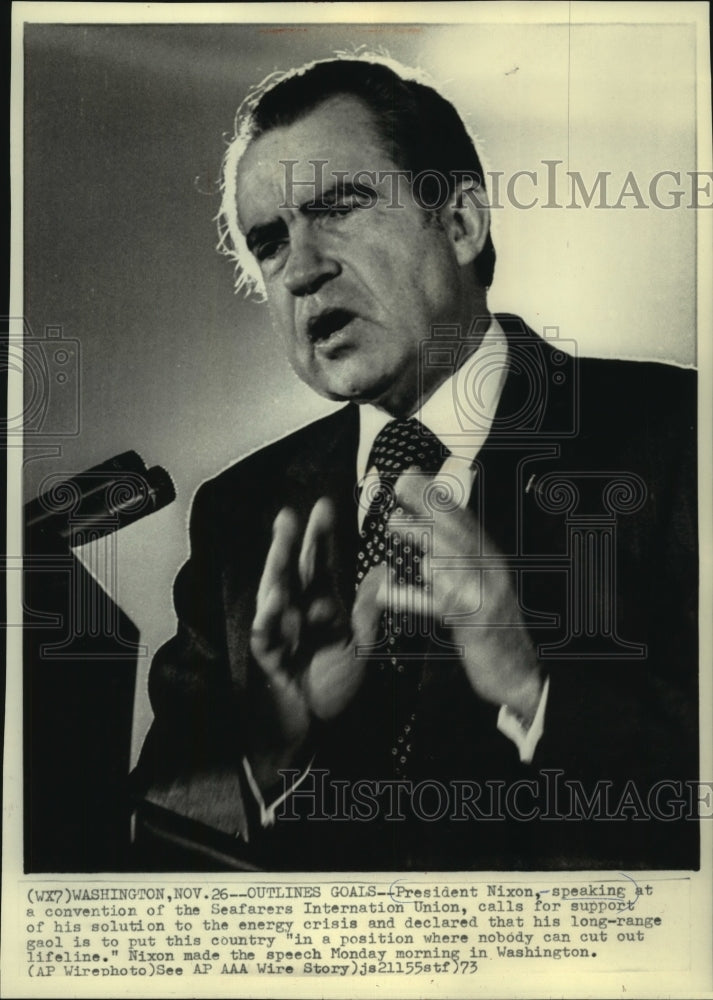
98 501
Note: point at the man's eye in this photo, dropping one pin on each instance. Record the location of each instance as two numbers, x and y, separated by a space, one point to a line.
267 250
340 208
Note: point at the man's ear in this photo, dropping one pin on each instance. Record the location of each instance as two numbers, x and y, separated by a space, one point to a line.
466 219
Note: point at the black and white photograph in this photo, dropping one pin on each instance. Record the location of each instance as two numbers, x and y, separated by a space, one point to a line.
363 444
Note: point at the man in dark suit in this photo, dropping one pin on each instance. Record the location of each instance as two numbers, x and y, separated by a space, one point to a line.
453 625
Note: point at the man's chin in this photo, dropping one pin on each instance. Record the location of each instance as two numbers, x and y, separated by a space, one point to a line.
353 379
385 395
351 392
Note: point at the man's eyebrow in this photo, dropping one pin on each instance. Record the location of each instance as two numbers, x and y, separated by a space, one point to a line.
339 188
263 232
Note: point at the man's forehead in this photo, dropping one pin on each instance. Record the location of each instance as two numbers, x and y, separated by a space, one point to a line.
338 138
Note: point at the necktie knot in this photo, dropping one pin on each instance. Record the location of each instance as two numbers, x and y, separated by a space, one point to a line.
404 444
400 445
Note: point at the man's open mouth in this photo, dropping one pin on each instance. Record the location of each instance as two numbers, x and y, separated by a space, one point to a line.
321 328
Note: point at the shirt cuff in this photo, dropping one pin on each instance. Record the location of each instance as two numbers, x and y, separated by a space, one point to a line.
525 739
267 813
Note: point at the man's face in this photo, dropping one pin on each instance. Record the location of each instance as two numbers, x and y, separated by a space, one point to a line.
352 288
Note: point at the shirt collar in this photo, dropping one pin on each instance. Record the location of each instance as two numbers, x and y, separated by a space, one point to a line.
461 410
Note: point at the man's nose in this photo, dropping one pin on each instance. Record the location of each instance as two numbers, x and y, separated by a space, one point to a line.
308 266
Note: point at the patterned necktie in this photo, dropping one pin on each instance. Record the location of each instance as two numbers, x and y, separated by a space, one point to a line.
400 445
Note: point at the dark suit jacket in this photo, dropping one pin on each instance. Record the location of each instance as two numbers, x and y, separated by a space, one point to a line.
587 484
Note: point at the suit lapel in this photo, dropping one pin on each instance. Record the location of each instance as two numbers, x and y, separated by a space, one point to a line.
536 415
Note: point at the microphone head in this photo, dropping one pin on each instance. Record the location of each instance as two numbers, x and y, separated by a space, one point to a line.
97 502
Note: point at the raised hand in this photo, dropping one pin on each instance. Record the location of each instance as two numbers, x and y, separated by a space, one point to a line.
304 641
472 593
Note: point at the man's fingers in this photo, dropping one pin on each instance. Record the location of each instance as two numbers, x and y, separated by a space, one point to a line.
419 602
367 609
268 611
437 500
316 560
279 568
336 672
273 626
430 495
275 630
323 611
